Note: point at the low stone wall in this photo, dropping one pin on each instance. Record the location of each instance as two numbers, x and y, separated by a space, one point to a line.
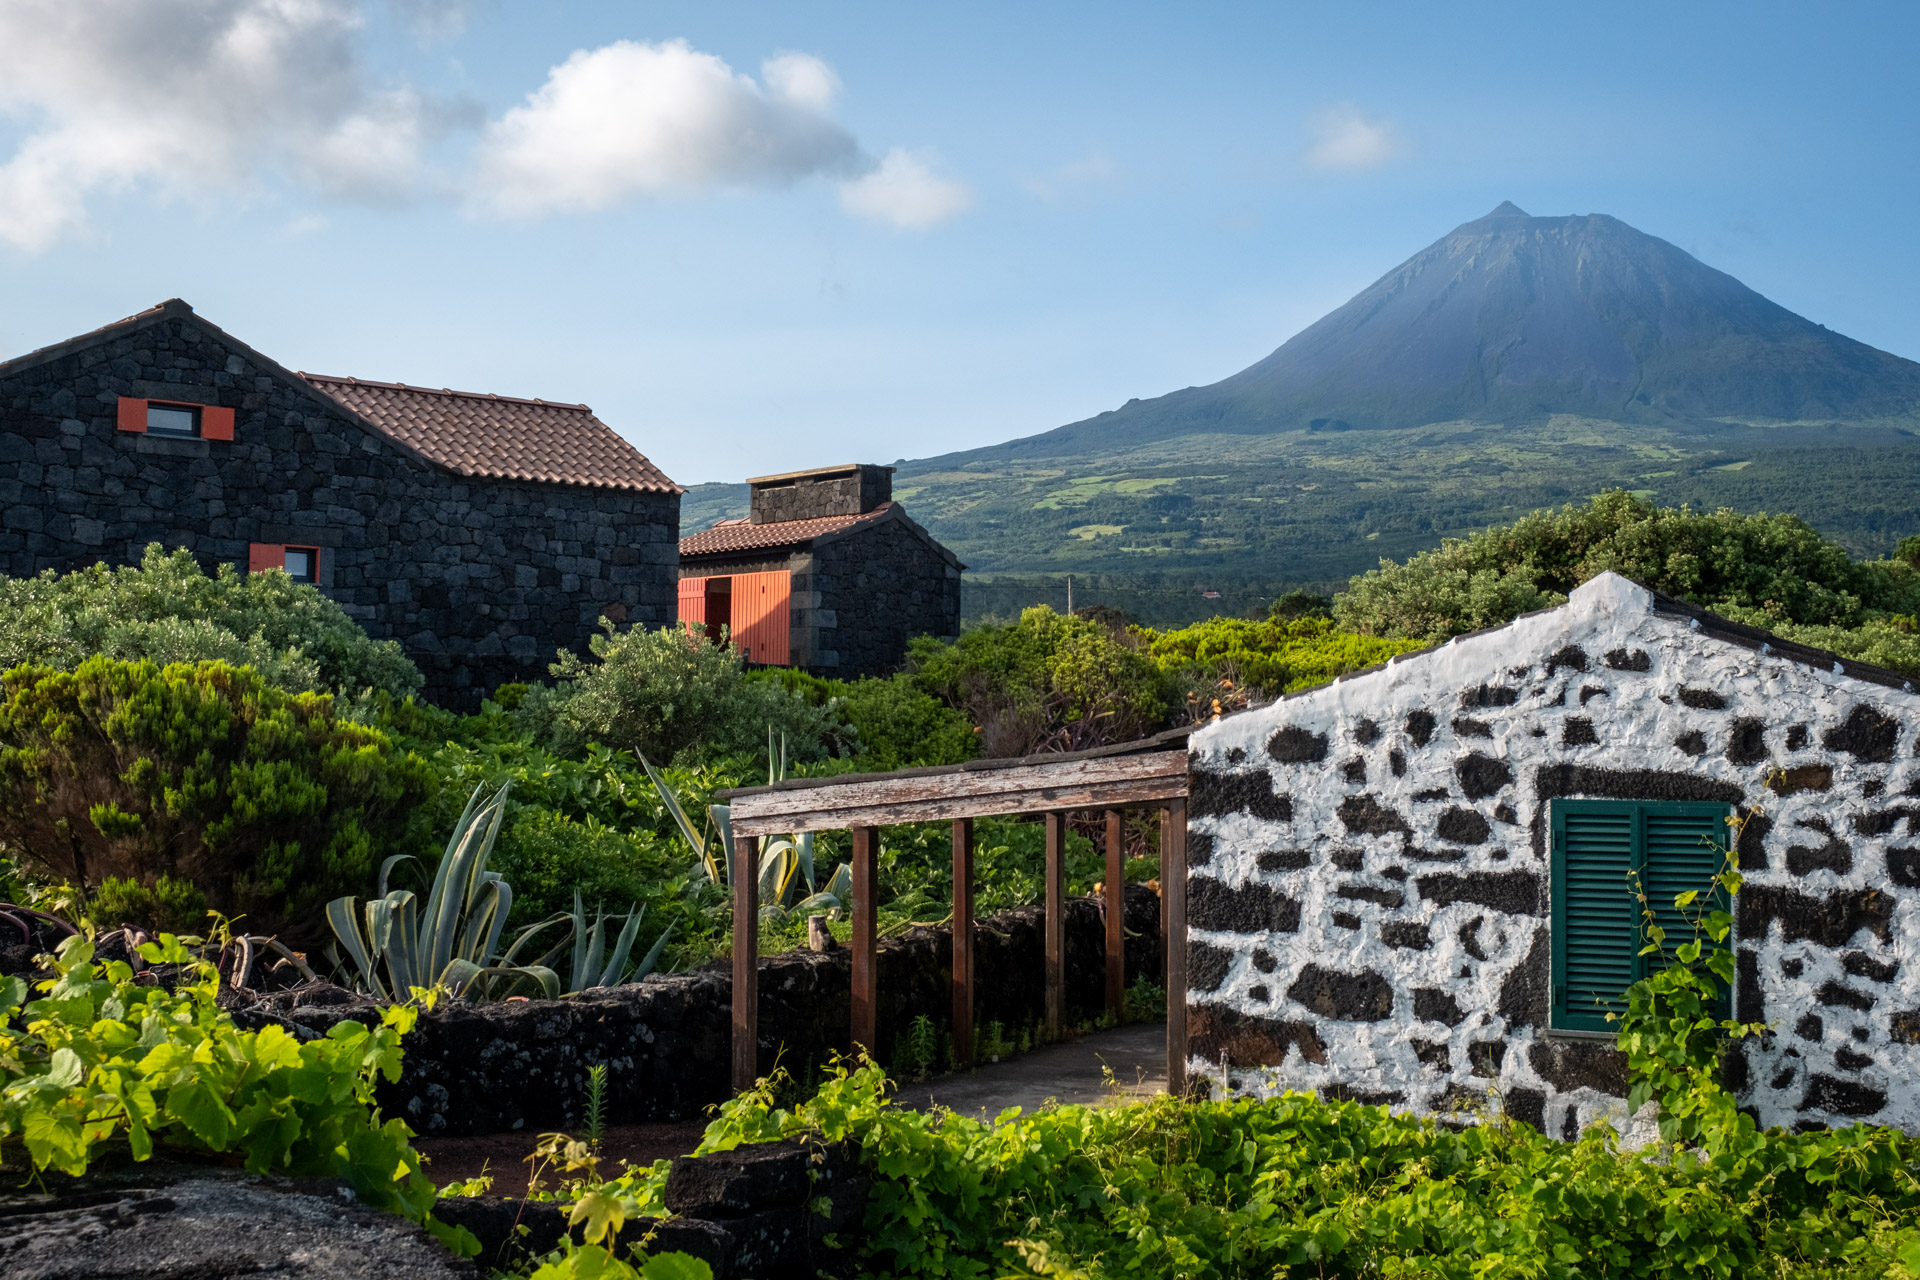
777 1211
477 1069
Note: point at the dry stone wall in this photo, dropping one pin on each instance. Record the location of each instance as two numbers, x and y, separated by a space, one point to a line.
1369 901
522 1065
480 580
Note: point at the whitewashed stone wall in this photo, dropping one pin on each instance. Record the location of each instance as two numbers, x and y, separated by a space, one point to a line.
1369 902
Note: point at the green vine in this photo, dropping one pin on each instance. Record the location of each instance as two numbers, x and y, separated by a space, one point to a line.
1669 1031
103 1060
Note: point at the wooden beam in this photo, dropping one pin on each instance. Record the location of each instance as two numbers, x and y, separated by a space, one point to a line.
1116 912
1173 920
1103 783
1056 924
866 983
963 941
746 962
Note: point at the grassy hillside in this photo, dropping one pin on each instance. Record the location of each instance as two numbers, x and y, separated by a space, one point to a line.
1148 529
1302 508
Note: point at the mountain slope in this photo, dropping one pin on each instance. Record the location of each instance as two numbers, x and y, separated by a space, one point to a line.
1511 318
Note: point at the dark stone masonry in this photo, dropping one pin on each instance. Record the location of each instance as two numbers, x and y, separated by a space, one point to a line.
522 1065
479 577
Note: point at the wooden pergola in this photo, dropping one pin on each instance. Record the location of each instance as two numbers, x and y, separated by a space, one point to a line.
1148 773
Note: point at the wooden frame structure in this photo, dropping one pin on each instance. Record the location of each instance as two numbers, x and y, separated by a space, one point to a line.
1148 773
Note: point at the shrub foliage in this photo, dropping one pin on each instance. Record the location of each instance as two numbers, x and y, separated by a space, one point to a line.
168 610
200 772
672 695
1773 570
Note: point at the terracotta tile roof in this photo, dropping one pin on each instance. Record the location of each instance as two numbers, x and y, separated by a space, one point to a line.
499 437
738 535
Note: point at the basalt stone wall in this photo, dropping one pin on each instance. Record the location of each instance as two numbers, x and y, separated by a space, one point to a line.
1369 901
480 580
474 1069
810 497
864 596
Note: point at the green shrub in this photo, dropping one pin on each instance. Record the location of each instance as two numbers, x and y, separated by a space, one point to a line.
1272 656
674 697
545 856
170 904
892 721
1046 683
1773 566
168 610
202 772
900 726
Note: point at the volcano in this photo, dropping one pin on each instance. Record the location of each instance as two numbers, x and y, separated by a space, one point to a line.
1511 318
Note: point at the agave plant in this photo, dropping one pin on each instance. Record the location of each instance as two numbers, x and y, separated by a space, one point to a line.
394 947
593 966
785 865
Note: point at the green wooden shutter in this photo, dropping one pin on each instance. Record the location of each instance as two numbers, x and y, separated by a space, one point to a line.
1684 850
1599 847
1593 912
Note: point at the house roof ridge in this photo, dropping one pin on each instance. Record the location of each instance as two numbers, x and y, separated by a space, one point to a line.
319 378
170 307
743 535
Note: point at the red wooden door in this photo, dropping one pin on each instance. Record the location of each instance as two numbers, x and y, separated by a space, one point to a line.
760 608
693 602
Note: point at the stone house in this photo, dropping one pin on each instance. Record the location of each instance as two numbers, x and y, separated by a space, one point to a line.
1414 886
481 532
826 573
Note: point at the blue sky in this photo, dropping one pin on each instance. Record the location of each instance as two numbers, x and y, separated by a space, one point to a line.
765 236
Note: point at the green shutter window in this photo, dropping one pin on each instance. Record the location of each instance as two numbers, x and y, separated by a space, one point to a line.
1600 849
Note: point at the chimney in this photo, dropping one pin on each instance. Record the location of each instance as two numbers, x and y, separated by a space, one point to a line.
850 490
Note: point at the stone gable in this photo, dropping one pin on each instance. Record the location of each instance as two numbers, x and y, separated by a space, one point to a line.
1373 859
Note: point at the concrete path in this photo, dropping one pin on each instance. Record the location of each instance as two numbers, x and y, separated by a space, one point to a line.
1067 1073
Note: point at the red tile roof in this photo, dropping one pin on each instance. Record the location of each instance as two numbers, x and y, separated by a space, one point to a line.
499 437
738 535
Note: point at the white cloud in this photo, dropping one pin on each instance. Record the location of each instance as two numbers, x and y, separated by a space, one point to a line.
801 79
195 99
1343 138
632 119
905 191
208 100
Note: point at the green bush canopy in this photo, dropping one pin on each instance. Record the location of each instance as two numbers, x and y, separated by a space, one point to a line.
168 610
673 696
200 772
1049 682
1772 571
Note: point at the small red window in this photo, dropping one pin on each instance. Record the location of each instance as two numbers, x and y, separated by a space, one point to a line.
175 421
302 564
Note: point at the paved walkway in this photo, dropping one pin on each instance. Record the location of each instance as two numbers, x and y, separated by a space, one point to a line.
1068 1073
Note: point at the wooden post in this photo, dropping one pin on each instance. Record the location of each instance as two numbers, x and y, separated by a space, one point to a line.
1056 923
746 962
1173 923
963 941
1116 915
866 984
